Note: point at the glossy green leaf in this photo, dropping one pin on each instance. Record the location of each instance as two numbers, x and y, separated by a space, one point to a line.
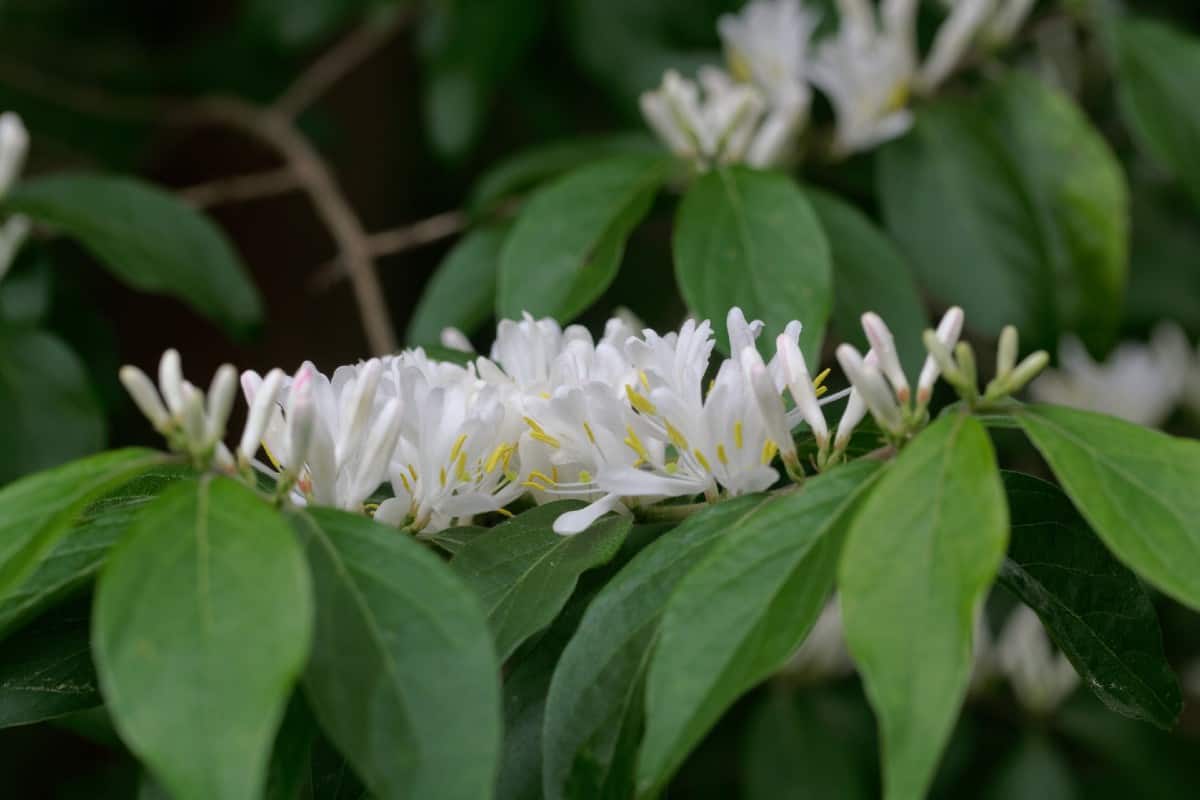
461 292
1158 66
201 626
1136 487
402 676
751 239
48 411
740 613
918 561
524 572
1094 608
957 207
870 274
594 707
46 671
807 745
37 511
527 169
149 239
75 559
566 246
1078 191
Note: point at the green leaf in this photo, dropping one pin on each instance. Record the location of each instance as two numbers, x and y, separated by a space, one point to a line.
202 623
917 564
47 672
594 707
1034 768
802 745
48 411
957 207
402 677
1080 197
527 169
1093 607
750 239
454 539
1136 487
870 274
78 556
1158 66
740 613
524 572
149 239
37 511
566 246
461 292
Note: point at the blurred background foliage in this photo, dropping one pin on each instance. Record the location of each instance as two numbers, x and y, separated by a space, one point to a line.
436 119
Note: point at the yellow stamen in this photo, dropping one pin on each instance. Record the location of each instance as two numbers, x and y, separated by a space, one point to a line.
672 467
545 438
508 454
635 444
821 376
642 378
534 475
721 454
768 452
544 395
737 434
458 443
504 512
271 456
495 457
554 473
585 476
821 391
461 468
442 476
639 401
676 437
533 426
534 485
588 430
703 461
413 471
404 480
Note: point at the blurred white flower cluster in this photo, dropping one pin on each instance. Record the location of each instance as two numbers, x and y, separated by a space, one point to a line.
14 144
756 112
1139 382
634 418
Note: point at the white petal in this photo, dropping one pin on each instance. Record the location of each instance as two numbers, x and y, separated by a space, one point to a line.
574 522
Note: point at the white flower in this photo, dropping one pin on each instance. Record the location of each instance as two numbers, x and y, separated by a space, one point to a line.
453 339
14 144
767 43
1141 383
727 126
12 235
333 438
192 422
990 22
453 459
1041 678
948 331
866 71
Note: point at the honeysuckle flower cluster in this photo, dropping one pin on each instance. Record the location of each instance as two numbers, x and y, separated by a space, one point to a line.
14 144
623 422
868 67
1139 382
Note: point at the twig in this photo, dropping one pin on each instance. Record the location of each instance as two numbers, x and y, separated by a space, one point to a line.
355 48
240 188
398 240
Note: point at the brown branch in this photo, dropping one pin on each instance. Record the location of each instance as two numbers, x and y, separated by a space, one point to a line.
398 240
240 188
355 48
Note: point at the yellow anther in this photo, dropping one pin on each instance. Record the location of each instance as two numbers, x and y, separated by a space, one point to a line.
676 437
739 67
544 395
404 480
554 473
672 467
442 476
821 376
703 461
458 443
635 444
898 97
639 401
461 468
545 438
534 475
588 430
495 457
642 378
271 456
721 454
504 512
533 426
821 391
768 452
737 434
508 454
585 476
413 471
534 485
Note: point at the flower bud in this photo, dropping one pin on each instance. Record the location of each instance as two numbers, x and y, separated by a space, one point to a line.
1006 351
1026 371
799 383
869 381
170 381
884 346
301 418
964 354
261 393
855 410
770 404
14 144
220 401
453 339
145 396
948 331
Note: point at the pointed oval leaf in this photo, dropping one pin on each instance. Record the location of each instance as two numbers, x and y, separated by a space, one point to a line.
202 623
566 246
1093 607
524 572
918 561
37 511
48 411
402 675
76 558
148 239
46 671
750 239
870 274
460 293
1135 486
740 613
594 707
